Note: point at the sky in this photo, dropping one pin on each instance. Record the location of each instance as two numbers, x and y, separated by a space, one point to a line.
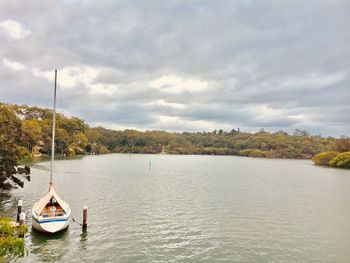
182 65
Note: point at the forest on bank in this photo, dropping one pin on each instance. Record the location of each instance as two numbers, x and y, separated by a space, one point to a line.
25 132
75 137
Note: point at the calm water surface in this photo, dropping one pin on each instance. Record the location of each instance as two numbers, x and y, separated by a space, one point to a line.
193 209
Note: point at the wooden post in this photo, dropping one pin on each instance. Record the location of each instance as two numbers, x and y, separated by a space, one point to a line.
85 215
19 209
22 218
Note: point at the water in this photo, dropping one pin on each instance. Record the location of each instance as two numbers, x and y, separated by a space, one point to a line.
161 208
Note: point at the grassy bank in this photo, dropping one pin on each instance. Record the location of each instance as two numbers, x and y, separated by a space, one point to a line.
11 239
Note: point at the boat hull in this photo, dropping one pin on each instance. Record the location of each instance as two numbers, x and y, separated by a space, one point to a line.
50 225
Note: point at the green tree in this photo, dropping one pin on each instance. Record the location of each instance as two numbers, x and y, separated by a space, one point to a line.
92 135
342 145
79 143
62 141
99 149
10 152
80 140
31 132
71 125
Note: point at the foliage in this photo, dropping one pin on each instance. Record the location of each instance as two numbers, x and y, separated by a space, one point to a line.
10 241
253 153
10 150
324 158
22 229
74 136
342 145
342 160
31 132
339 158
99 149
6 229
79 142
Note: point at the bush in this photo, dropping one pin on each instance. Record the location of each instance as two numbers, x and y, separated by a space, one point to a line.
101 149
252 153
6 228
342 160
324 158
22 229
10 243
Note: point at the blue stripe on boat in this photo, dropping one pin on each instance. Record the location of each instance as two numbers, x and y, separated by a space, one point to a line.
49 221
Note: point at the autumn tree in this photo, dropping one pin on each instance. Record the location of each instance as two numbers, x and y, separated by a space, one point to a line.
10 151
342 144
79 143
62 141
31 133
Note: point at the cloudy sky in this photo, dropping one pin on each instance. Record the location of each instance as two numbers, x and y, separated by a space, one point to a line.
182 65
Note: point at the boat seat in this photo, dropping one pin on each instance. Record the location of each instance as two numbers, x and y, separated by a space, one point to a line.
48 213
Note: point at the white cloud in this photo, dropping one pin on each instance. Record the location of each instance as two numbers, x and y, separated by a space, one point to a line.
176 84
265 111
103 88
69 77
178 124
13 65
13 29
42 74
225 64
301 118
162 102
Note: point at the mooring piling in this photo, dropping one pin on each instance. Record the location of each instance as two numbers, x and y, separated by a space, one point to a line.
85 215
19 210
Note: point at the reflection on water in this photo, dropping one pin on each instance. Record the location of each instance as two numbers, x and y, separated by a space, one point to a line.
7 204
193 209
50 247
83 239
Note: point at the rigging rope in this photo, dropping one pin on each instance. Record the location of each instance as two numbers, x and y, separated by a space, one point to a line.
75 221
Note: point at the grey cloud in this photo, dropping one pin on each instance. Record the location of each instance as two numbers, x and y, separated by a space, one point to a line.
245 50
123 113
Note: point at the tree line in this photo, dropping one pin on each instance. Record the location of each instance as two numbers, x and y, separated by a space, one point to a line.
26 132
75 137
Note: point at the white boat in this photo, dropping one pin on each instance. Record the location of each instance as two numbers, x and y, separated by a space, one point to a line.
51 214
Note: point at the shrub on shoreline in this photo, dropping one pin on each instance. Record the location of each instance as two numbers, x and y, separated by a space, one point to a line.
342 160
324 158
333 159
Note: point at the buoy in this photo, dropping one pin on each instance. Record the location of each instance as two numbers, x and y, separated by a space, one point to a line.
19 209
85 214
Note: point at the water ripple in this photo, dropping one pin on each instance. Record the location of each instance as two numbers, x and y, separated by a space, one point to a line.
193 209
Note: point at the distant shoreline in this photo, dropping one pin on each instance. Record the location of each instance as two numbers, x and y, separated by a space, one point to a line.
74 137
46 158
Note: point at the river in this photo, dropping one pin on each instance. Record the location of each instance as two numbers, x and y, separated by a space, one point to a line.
173 208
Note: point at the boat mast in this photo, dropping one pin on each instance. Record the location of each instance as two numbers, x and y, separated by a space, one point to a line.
53 132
